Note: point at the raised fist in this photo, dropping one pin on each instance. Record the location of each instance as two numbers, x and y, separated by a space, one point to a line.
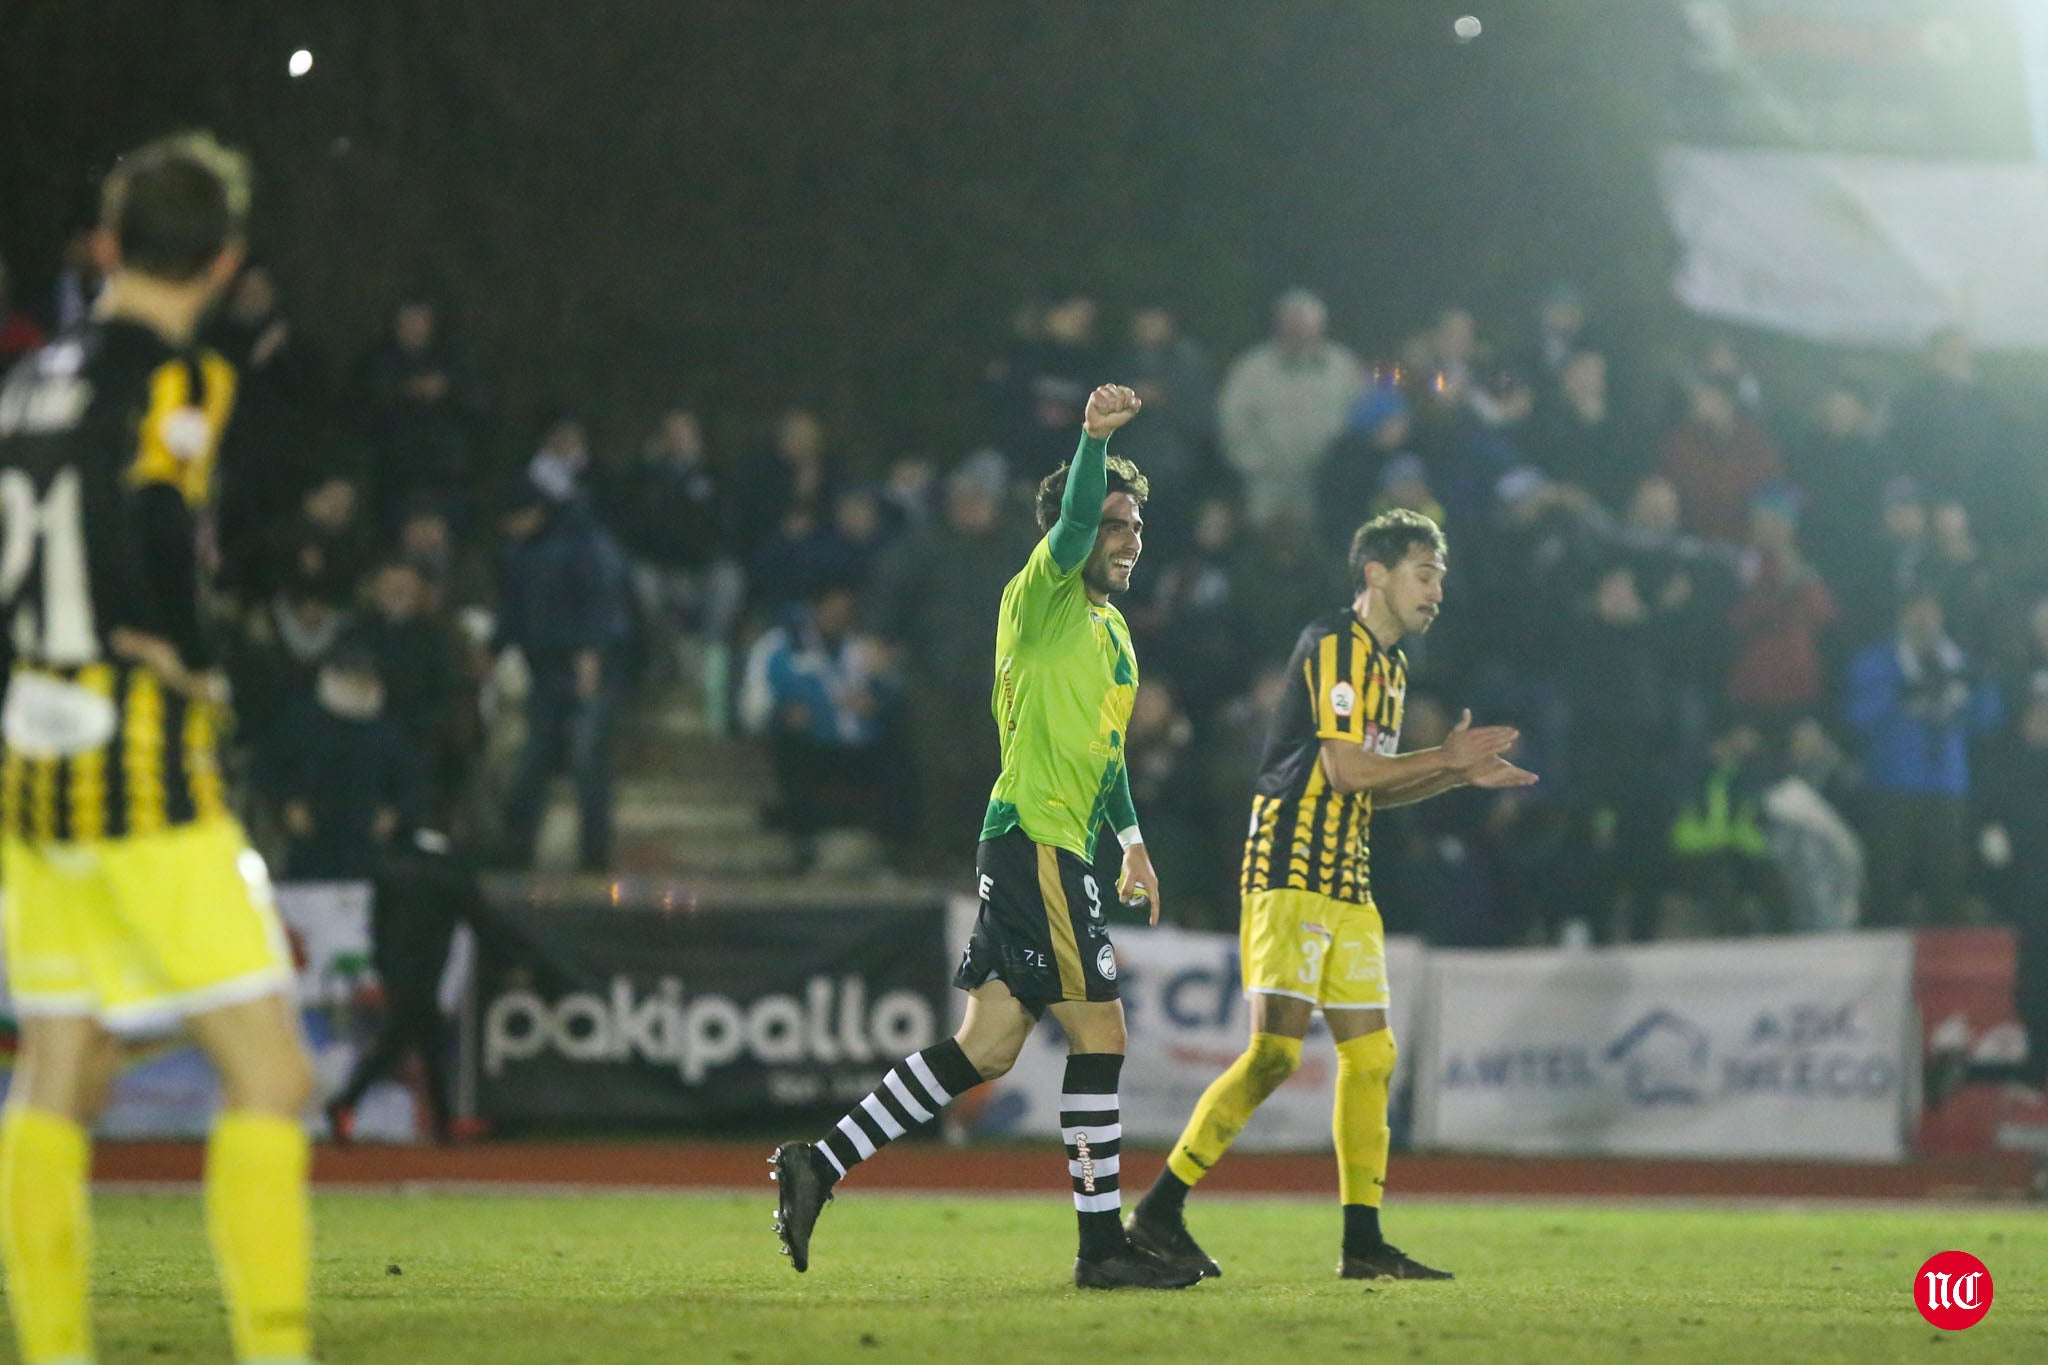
1109 407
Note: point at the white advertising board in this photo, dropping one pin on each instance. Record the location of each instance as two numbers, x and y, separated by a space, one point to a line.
1788 1047
1865 250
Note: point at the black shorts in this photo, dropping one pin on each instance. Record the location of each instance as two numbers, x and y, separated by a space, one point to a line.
1041 929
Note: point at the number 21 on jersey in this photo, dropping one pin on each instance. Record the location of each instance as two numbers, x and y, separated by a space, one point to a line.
47 532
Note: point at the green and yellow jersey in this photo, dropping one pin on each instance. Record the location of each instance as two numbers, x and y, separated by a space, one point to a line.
1066 678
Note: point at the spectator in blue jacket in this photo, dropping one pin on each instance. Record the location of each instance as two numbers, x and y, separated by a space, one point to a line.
1917 703
826 696
564 602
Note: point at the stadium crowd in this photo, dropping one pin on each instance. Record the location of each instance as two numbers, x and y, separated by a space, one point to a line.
1780 659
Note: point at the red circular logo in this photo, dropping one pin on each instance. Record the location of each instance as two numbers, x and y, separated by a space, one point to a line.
1953 1290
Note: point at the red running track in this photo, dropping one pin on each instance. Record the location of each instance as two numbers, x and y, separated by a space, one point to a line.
930 1166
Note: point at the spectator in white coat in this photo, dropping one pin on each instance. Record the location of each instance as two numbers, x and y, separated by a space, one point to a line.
1283 403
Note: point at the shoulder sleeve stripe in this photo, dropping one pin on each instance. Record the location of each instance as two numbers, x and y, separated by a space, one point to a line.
169 389
1361 660
189 404
1397 693
1375 697
1323 679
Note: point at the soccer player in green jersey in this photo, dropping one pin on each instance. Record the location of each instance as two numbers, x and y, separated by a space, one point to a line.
1065 680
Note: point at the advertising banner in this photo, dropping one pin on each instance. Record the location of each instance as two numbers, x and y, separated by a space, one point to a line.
1185 1011
1861 250
1939 80
1789 1047
1963 980
595 1012
329 926
1861 173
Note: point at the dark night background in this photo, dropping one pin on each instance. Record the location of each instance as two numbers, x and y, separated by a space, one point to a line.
750 204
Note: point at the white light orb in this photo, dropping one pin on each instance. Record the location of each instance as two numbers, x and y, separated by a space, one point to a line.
301 62
1467 27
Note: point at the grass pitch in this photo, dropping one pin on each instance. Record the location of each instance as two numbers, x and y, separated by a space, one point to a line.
456 1278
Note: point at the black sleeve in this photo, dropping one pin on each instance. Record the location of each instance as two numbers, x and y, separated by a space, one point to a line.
170 561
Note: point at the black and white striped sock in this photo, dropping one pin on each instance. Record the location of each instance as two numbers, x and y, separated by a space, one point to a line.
1091 1124
909 1097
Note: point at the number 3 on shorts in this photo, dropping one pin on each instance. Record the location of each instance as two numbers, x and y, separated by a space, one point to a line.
1313 946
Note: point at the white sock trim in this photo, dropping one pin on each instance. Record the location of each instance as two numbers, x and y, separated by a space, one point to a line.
851 1131
1096 1134
1104 1165
905 1098
922 1070
1086 1104
826 1148
1107 1202
879 1112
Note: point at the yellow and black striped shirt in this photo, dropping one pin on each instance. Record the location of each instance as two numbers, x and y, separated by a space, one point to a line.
108 439
1304 836
160 769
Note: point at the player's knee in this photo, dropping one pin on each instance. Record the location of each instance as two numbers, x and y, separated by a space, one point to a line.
1108 1036
991 1055
299 1080
61 1068
1268 1064
276 1081
289 1088
102 1069
993 1065
1370 1057
68 1097
1093 1027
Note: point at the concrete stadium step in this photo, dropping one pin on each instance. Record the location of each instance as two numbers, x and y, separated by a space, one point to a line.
756 854
687 839
653 751
689 806
688 801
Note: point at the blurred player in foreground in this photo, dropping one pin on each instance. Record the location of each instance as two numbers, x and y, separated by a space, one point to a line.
1065 681
1311 935
133 898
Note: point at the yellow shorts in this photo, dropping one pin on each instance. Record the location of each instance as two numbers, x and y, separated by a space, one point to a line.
1309 947
141 931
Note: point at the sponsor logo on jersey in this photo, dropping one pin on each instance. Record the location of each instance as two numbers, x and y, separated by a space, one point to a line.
187 433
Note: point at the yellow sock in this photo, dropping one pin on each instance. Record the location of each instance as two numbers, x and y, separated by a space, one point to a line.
1228 1103
256 1211
1365 1070
46 1233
